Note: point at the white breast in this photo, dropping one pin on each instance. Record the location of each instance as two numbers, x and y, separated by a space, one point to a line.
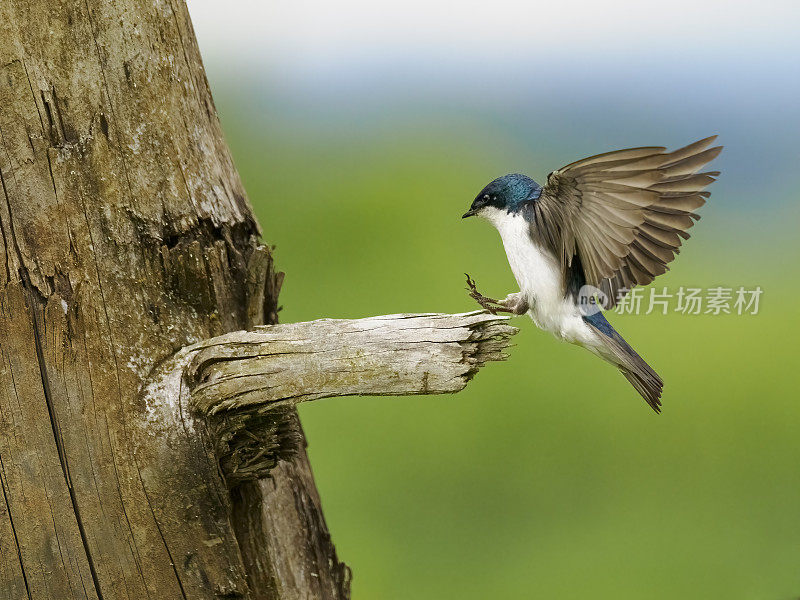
538 273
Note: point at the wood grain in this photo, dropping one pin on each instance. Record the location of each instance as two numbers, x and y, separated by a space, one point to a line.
238 390
126 235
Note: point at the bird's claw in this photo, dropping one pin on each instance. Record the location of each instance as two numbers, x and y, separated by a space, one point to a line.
490 304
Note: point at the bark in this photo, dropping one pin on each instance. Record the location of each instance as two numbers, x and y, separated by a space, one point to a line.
126 236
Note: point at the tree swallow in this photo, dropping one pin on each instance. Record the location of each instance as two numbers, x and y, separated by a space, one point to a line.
599 227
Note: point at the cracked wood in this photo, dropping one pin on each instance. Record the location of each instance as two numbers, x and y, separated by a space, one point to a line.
239 380
239 388
125 234
398 355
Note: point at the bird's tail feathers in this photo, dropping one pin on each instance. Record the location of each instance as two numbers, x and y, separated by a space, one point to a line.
618 352
646 381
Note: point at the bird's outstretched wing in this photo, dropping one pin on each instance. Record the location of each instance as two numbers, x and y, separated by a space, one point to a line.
623 214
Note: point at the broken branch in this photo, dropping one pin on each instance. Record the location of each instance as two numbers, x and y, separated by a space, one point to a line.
239 382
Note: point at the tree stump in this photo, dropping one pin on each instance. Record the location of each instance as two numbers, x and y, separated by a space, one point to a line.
142 453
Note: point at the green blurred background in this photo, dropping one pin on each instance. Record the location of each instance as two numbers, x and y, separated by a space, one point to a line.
548 477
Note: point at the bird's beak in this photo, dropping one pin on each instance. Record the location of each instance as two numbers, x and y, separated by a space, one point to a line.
469 213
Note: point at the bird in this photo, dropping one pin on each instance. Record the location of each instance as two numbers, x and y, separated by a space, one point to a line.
598 227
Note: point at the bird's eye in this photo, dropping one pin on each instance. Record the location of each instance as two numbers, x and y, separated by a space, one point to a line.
486 197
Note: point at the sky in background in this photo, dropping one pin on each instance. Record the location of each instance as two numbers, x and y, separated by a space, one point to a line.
311 34
585 75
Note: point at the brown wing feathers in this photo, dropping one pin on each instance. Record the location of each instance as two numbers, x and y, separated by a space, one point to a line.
625 213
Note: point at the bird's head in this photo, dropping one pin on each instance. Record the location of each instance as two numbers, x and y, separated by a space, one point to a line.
507 193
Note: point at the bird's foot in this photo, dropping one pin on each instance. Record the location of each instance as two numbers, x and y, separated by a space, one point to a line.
490 304
516 304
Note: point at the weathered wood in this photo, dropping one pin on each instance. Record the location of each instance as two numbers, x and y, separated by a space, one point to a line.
238 380
125 235
282 536
239 389
380 356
